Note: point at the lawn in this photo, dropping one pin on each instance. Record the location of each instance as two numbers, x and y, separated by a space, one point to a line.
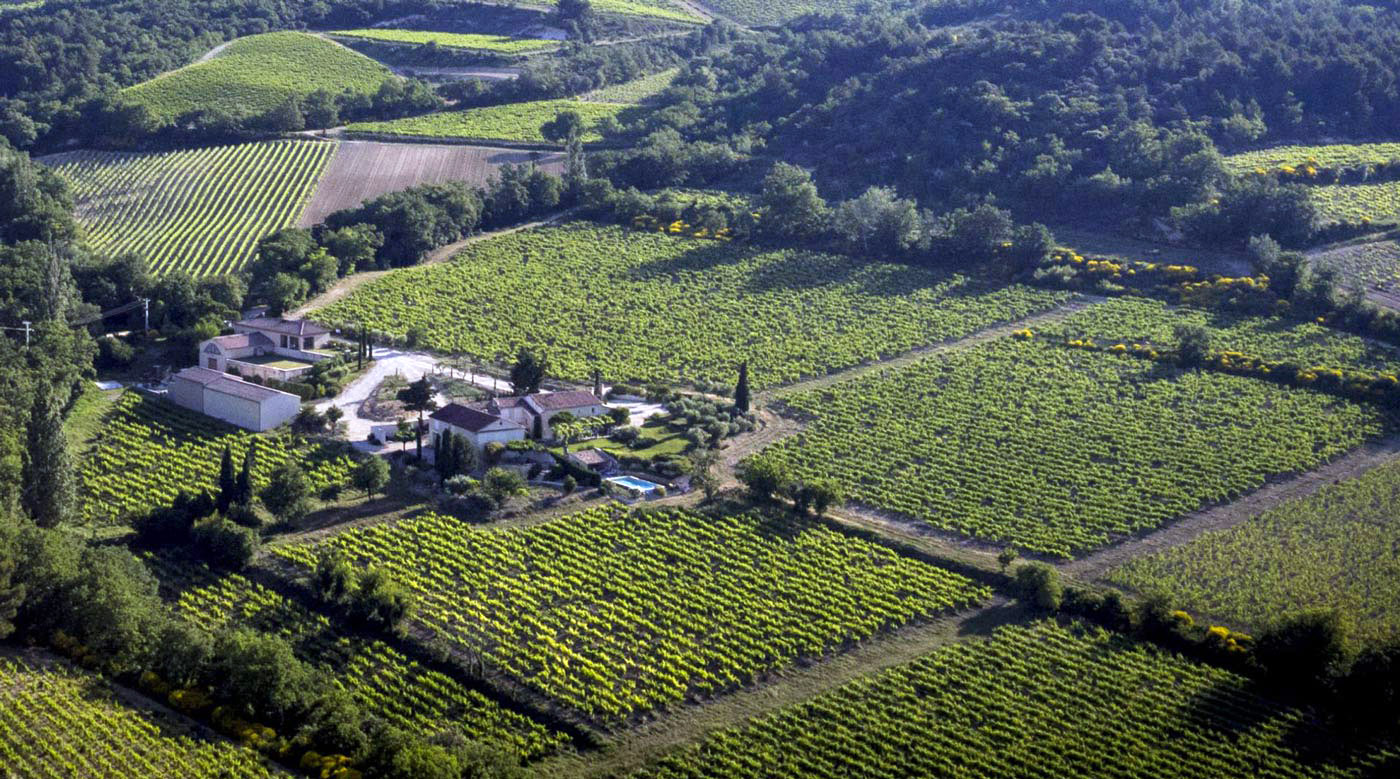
1336 549
666 441
617 613
276 361
258 73
1059 451
650 307
1034 701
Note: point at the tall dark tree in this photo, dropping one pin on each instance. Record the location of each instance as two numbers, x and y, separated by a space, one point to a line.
791 207
228 481
243 488
443 453
528 372
741 390
418 396
48 494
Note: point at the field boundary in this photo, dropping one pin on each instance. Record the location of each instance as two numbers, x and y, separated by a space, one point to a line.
458 140
1222 516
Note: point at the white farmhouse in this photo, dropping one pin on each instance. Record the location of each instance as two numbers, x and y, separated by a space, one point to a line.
242 403
536 412
477 427
270 348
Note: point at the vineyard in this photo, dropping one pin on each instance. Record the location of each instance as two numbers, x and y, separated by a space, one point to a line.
650 307
617 613
1363 265
1333 549
773 12
657 9
383 681
516 122
256 74
199 211
632 92
1328 156
1358 203
149 450
57 722
1059 451
1037 701
500 44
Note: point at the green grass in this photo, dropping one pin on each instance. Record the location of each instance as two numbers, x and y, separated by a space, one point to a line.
667 442
150 449
658 9
519 122
1059 451
503 44
59 721
1037 701
199 211
382 681
616 613
274 361
255 74
644 306
1334 549
632 92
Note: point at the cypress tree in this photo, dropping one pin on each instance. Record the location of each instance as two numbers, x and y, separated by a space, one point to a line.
48 493
463 455
243 488
741 391
228 481
446 468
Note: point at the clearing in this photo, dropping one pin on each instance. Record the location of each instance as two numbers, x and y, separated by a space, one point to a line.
363 170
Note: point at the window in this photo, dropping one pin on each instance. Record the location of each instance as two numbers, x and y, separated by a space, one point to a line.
308 343
213 364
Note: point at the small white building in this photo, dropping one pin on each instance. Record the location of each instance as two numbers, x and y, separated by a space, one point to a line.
242 403
269 348
477 427
541 409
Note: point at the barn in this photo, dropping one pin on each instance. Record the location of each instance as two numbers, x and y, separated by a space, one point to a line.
238 402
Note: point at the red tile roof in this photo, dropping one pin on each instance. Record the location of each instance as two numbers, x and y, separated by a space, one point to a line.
297 327
469 419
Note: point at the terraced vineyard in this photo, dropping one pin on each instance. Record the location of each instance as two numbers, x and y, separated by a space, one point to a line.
646 306
149 450
659 9
1333 549
1363 265
384 682
57 722
774 12
516 122
256 74
502 44
1059 451
1037 701
199 211
617 613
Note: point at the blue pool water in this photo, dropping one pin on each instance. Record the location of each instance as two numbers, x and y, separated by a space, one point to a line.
634 483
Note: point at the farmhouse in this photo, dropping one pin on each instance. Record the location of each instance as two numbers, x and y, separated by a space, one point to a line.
478 427
239 402
535 412
596 460
270 348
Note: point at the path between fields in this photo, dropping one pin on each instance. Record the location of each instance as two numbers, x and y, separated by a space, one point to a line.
354 281
687 724
1235 512
212 53
1076 304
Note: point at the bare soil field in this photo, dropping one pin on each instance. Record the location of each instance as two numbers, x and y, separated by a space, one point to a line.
362 170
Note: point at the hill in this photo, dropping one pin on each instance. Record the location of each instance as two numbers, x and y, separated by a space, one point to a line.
256 74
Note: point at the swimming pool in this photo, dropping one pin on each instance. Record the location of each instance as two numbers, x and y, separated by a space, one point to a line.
632 483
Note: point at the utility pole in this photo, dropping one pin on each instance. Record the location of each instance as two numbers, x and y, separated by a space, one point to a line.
26 324
145 315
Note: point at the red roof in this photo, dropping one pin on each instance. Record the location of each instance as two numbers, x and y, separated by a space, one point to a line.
556 401
297 327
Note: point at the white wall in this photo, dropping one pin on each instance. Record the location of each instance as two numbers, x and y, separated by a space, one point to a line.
187 394
279 410
245 413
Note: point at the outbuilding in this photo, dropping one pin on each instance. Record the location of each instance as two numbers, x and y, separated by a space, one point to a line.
478 427
231 399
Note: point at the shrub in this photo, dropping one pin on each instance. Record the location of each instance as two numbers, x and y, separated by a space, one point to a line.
379 601
223 544
1039 583
570 484
1304 651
